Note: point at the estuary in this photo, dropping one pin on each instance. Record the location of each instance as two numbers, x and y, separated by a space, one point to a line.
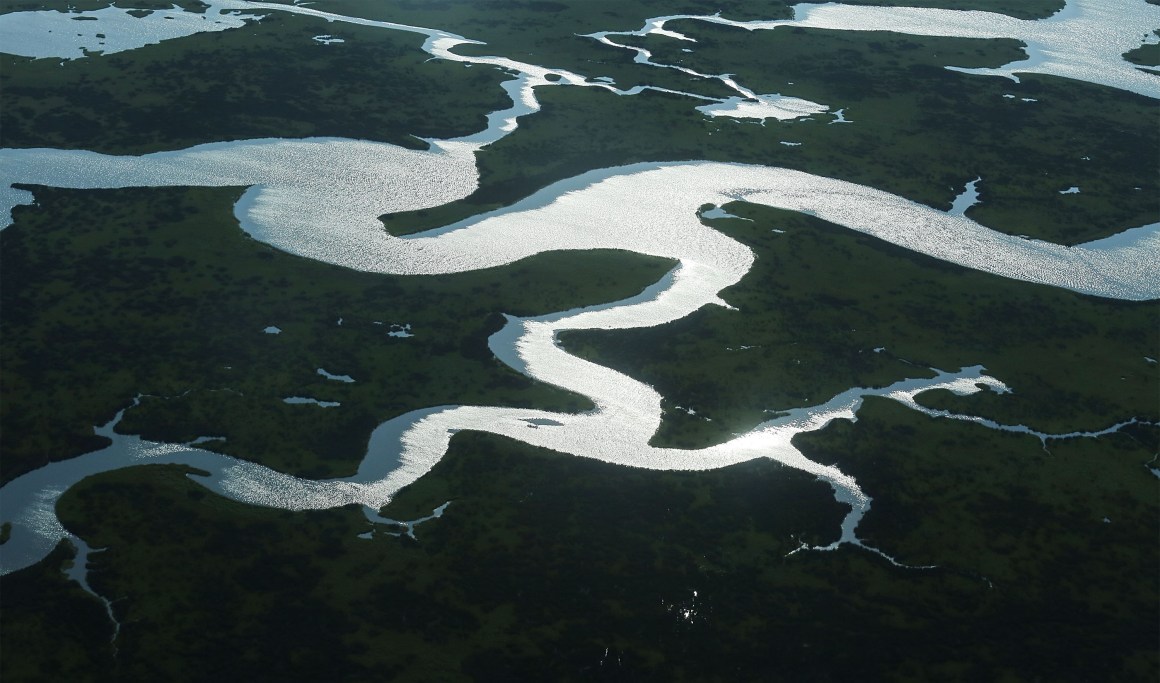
322 198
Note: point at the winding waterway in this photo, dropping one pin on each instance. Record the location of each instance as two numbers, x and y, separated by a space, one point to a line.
321 198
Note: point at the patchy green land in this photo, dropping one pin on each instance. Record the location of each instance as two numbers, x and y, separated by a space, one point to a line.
558 567
106 294
52 630
268 79
7 6
544 27
547 566
1145 55
821 298
918 130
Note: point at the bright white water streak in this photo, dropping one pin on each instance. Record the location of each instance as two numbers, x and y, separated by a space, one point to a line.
405 448
69 35
1084 41
440 44
746 105
53 34
320 198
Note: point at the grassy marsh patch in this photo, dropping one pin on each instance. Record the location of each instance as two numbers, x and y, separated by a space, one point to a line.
267 79
917 130
556 564
820 299
107 294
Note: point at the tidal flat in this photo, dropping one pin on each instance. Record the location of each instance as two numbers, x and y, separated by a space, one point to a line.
985 555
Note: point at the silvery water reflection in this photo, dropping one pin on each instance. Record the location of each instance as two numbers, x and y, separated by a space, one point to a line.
1084 41
321 198
309 208
70 35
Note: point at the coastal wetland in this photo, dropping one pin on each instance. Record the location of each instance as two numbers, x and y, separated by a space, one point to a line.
546 566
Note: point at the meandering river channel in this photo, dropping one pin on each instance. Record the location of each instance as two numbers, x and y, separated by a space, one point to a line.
321 198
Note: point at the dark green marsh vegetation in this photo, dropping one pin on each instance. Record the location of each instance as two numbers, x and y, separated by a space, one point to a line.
1145 55
267 79
548 565
820 299
918 130
530 27
544 561
107 294
7 6
545 566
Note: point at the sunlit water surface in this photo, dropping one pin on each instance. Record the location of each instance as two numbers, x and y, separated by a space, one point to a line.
320 198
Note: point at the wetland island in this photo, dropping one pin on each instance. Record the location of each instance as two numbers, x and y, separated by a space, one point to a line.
579 340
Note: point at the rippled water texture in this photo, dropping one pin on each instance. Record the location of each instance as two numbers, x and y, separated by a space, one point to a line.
328 211
321 198
1085 41
70 35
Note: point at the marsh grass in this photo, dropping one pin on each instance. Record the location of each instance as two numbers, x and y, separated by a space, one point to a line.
267 79
547 566
543 562
52 629
1145 55
107 294
917 130
820 299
